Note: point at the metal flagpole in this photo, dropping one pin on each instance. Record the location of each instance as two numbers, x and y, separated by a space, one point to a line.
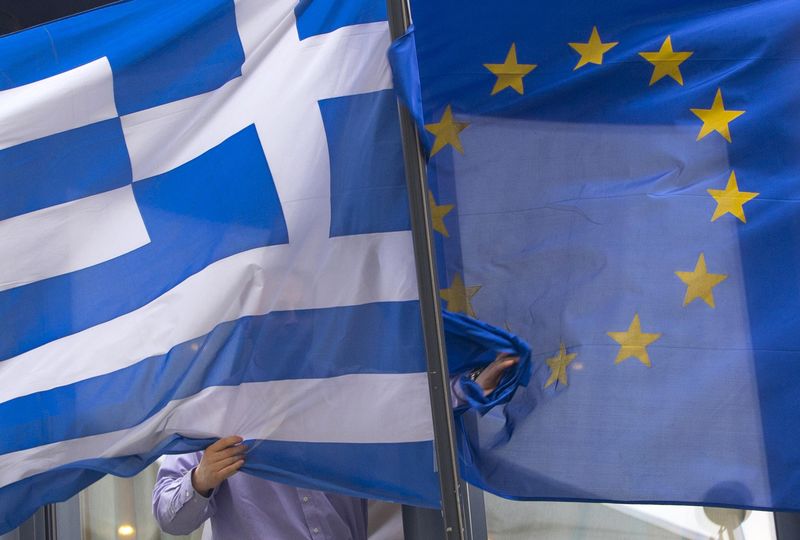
50 523
433 331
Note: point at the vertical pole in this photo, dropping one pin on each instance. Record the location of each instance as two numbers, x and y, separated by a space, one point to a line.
430 308
50 523
422 524
476 513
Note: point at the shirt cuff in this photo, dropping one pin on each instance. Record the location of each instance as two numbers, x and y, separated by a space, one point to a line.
456 393
189 499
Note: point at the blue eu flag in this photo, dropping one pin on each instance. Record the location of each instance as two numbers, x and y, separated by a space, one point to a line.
618 184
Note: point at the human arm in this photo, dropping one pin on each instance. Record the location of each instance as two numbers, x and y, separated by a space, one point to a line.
487 377
183 497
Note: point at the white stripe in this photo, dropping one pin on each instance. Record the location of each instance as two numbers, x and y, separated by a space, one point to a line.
69 100
364 408
70 236
343 271
164 137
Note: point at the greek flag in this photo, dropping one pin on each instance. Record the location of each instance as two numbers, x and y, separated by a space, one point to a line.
204 232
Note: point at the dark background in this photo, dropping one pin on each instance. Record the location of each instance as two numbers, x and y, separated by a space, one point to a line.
18 14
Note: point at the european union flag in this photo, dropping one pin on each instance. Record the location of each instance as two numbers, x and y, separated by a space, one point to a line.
618 184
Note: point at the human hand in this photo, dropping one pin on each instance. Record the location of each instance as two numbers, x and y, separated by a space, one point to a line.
489 378
219 462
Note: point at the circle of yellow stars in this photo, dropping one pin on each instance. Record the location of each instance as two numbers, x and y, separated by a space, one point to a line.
700 283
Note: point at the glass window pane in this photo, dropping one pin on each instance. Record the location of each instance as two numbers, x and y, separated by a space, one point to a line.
514 520
120 508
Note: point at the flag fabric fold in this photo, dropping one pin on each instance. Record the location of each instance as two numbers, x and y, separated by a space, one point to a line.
472 344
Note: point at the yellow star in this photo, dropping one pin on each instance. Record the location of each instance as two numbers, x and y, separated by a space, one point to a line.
509 73
699 283
730 200
592 52
458 297
446 132
666 62
633 342
558 366
716 118
438 212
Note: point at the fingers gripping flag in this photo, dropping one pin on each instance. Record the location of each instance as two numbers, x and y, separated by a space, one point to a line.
204 231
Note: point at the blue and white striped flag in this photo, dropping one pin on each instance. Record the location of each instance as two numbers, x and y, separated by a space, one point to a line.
204 232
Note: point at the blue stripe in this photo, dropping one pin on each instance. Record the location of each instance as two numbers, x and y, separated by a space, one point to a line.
159 51
368 187
221 203
320 343
174 59
63 167
400 472
316 17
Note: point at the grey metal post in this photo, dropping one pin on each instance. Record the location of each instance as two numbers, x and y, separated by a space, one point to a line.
438 376
422 523
50 522
787 525
476 513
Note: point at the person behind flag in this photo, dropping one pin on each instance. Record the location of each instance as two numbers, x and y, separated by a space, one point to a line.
191 488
